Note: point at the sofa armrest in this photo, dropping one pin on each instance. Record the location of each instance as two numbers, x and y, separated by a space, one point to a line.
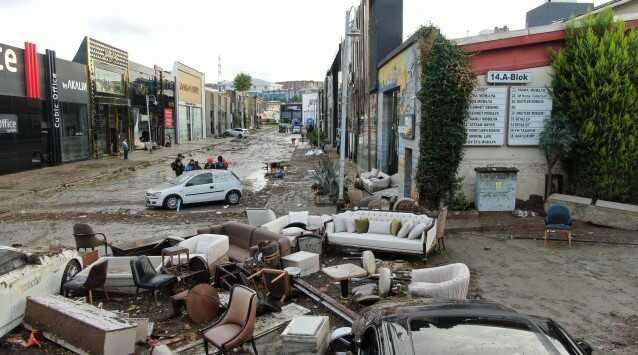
429 238
212 229
284 246
330 227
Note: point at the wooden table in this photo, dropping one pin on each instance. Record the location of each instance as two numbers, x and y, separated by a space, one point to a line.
343 273
171 253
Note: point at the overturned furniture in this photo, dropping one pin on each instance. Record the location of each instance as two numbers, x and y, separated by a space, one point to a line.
449 282
306 335
80 327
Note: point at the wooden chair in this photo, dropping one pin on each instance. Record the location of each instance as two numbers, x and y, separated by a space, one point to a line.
237 326
440 229
558 220
86 238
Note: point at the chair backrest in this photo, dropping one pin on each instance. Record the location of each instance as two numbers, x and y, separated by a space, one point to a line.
405 204
82 229
85 236
242 307
558 214
355 197
141 269
97 275
260 216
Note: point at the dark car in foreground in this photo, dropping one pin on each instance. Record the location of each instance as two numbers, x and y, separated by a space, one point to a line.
459 328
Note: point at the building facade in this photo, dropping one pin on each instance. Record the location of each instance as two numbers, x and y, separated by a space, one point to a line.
190 102
43 109
108 93
310 107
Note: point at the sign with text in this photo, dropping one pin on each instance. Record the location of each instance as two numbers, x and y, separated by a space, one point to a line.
168 117
8 123
508 77
486 122
530 109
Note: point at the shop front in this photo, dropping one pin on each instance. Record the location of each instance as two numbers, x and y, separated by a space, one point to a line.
108 93
43 105
190 120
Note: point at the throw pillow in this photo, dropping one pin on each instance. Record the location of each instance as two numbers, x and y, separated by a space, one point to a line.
405 229
395 226
340 223
350 227
379 227
417 230
298 217
292 231
374 172
361 225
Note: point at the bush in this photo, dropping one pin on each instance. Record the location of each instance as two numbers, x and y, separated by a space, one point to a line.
595 86
447 82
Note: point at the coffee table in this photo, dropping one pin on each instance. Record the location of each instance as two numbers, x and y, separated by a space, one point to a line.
343 273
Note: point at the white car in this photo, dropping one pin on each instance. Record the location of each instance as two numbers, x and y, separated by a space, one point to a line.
196 187
24 274
236 132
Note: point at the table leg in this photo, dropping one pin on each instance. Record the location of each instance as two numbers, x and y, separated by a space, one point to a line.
345 288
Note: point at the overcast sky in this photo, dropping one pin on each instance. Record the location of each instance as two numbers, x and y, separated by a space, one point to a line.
274 40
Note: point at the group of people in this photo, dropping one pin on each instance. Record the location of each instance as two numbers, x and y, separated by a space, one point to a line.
179 167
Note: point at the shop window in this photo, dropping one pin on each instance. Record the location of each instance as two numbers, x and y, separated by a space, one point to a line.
75 139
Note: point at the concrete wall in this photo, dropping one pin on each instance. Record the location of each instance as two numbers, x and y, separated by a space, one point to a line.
530 160
400 73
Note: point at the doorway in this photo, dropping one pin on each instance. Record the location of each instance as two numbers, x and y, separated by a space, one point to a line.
393 154
407 188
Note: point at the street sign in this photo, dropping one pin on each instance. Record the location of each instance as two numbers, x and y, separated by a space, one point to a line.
508 77
530 109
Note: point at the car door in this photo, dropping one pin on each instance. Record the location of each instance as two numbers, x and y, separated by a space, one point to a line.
199 188
220 183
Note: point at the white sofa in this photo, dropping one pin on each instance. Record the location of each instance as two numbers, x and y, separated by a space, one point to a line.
212 248
449 282
385 242
278 225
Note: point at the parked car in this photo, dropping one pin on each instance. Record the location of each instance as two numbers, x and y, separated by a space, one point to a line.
296 129
236 132
459 328
195 187
25 273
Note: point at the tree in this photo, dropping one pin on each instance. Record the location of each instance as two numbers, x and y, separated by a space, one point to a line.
242 82
595 86
447 82
557 140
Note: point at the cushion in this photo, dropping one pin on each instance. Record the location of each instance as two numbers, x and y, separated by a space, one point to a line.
292 231
340 223
395 180
298 217
374 172
362 225
395 226
417 230
405 229
350 227
239 234
379 227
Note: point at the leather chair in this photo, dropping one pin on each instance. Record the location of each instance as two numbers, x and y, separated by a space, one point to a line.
558 220
81 285
237 325
86 238
145 276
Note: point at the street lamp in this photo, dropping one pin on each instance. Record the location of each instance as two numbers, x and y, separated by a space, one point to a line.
148 114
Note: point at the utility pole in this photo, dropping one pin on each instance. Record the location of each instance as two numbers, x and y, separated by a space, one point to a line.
351 31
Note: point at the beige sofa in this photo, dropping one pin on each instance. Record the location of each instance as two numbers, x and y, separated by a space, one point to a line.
387 242
315 224
376 180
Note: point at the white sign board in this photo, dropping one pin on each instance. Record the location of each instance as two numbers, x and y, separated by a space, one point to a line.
486 122
530 109
508 77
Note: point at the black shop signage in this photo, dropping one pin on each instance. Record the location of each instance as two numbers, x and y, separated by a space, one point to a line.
55 110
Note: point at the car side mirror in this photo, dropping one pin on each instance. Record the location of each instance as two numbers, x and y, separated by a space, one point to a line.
342 341
584 346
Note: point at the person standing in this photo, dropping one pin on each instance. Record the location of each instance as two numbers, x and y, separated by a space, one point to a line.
222 163
125 149
177 167
210 164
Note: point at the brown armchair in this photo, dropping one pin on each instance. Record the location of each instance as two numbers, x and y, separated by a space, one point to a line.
237 325
86 238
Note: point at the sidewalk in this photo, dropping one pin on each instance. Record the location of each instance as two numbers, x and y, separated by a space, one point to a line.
50 178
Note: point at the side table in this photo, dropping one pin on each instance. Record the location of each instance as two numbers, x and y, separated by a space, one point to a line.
343 273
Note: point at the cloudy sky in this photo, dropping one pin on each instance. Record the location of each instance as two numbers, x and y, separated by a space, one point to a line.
274 40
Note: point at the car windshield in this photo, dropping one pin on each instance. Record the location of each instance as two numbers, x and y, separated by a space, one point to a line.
179 180
478 336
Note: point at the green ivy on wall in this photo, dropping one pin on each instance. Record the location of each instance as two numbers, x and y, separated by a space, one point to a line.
447 82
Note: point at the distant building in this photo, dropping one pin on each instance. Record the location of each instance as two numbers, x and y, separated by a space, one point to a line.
300 85
310 108
555 11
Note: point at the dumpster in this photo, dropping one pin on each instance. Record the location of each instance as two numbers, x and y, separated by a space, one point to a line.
496 189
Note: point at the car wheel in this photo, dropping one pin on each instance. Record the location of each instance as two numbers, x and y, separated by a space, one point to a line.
172 201
241 136
233 197
72 268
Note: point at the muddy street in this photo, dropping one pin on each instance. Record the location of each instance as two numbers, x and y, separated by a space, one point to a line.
115 203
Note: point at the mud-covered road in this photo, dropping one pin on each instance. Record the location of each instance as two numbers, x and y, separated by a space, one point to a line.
114 204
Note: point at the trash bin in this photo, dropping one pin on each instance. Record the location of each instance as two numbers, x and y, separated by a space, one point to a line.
496 189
